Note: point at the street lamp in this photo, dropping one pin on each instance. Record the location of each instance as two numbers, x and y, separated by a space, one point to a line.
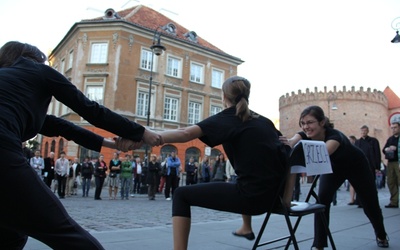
396 27
156 49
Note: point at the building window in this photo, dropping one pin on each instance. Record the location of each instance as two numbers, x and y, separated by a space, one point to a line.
215 110
95 93
192 152
194 112
196 72
146 60
99 53
142 104
174 67
217 78
171 109
70 59
62 67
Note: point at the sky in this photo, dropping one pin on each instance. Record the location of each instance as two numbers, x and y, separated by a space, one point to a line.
286 45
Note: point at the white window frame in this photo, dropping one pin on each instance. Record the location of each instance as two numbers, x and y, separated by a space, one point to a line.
196 72
174 67
215 109
146 59
194 112
143 102
62 66
171 106
98 92
70 59
98 52
217 78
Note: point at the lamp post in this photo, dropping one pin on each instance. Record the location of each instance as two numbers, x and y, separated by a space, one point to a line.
156 49
396 27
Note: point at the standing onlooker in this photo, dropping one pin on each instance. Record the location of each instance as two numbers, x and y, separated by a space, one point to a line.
173 170
206 169
152 176
87 171
49 169
100 169
27 152
61 169
37 163
163 173
126 177
370 146
219 169
72 185
113 178
230 172
392 172
137 175
191 172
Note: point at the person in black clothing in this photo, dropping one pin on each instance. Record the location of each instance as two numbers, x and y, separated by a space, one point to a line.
49 164
392 170
100 174
191 172
87 170
251 143
370 146
27 86
152 176
348 162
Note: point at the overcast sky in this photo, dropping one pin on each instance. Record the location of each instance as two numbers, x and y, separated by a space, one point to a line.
287 45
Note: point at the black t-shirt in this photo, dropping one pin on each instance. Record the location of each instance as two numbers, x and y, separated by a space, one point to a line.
253 148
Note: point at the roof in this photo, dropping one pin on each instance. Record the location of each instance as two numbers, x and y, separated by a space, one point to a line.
148 18
393 99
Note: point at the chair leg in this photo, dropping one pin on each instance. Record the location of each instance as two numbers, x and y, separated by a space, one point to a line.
292 237
261 231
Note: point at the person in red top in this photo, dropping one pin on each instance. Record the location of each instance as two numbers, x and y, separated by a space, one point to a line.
27 86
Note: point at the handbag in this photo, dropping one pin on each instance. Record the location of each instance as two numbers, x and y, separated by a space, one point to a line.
113 174
389 155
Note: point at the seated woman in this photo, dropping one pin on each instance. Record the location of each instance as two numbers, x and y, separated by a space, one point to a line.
252 145
348 162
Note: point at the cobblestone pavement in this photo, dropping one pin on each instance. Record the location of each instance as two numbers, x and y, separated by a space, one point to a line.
140 212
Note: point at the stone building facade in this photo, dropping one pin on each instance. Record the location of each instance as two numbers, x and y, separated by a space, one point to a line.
347 109
110 60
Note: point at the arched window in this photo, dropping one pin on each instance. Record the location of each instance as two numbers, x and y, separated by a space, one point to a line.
60 146
192 152
46 150
53 146
83 152
166 151
214 153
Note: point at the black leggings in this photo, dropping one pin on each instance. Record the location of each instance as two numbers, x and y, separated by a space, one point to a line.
31 209
359 175
220 196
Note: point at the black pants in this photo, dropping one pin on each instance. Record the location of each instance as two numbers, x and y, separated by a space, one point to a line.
99 181
359 175
171 183
31 209
62 181
222 196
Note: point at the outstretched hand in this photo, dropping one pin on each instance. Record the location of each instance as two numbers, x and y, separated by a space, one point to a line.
151 138
125 144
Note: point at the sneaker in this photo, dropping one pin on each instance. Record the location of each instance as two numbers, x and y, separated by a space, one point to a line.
168 199
392 206
132 195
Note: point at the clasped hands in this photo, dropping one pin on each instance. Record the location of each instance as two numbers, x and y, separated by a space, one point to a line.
149 137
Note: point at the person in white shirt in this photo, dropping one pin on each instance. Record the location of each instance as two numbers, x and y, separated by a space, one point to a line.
61 169
37 163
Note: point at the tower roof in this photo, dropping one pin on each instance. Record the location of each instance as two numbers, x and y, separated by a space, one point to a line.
393 99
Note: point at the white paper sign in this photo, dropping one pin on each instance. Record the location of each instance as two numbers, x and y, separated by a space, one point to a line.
316 159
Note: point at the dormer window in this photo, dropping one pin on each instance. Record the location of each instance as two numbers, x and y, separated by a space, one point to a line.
192 36
170 28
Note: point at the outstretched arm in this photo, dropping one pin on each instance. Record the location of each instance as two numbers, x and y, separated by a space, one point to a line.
181 135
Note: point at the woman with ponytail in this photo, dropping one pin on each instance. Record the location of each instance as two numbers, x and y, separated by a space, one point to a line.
251 143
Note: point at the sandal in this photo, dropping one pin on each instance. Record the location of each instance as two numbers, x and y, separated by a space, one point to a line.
382 243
